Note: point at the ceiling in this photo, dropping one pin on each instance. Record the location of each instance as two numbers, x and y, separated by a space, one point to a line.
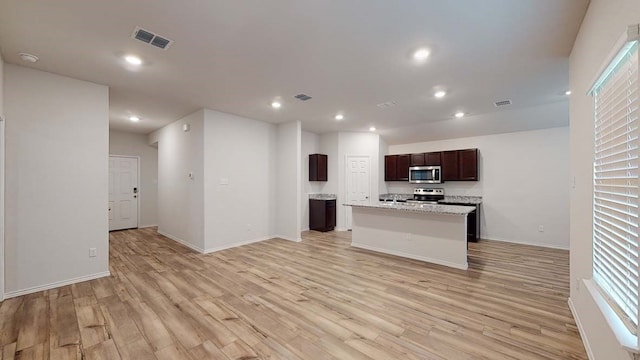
237 56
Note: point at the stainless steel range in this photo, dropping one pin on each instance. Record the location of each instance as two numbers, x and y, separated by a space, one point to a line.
427 196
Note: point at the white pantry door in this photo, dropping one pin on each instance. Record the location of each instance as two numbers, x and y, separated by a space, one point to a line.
123 192
358 183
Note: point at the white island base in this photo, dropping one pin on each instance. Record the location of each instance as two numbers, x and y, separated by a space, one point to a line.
426 236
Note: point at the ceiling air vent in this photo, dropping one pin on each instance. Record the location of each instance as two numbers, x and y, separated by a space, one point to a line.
386 105
148 37
302 97
502 103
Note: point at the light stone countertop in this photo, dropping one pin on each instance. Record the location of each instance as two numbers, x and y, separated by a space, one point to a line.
425 208
322 196
472 200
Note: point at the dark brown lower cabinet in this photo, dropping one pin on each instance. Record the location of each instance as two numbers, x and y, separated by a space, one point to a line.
322 215
473 222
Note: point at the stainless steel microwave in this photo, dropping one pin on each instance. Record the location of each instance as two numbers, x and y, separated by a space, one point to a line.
425 175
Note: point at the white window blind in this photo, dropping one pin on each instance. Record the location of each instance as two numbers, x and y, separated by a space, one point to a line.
615 184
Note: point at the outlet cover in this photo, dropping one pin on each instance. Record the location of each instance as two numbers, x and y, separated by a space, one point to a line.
93 252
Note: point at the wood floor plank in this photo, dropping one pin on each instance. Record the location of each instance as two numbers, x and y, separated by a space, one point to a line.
103 351
11 313
34 327
316 299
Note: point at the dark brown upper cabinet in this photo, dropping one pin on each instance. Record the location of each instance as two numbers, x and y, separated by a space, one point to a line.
450 168
396 167
390 168
457 165
402 167
468 164
433 158
417 159
317 167
460 165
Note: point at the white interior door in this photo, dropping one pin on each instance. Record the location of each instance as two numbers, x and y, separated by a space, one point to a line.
358 183
123 192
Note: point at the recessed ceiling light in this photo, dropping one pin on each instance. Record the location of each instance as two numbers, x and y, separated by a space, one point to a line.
339 117
373 128
421 54
459 114
276 105
133 60
568 92
26 57
134 118
440 94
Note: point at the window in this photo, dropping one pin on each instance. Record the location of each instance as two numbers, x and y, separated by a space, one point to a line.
615 182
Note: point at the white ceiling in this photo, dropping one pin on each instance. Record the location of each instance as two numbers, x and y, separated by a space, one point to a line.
236 56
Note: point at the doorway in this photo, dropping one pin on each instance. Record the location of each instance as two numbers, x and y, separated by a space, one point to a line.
358 183
123 192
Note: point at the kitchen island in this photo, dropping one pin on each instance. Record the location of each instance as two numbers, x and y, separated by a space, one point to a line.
428 232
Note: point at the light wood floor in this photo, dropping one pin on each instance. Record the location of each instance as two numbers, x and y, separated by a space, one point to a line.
319 299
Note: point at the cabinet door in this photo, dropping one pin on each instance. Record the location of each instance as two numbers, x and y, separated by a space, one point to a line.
433 158
390 168
322 167
417 159
402 167
317 214
450 167
317 167
330 217
468 163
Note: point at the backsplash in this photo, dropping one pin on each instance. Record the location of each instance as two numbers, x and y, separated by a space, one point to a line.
472 188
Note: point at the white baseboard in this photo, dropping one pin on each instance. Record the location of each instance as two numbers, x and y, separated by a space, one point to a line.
53 285
583 334
236 244
288 238
146 226
528 243
214 249
183 242
412 256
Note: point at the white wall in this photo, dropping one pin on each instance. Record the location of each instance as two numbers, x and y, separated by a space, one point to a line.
130 144
523 179
180 198
605 22
2 175
56 179
242 153
288 181
356 143
310 145
329 144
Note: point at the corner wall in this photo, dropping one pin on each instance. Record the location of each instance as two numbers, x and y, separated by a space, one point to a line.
181 198
240 169
56 180
288 181
523 181
605 22
2 176
123 143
